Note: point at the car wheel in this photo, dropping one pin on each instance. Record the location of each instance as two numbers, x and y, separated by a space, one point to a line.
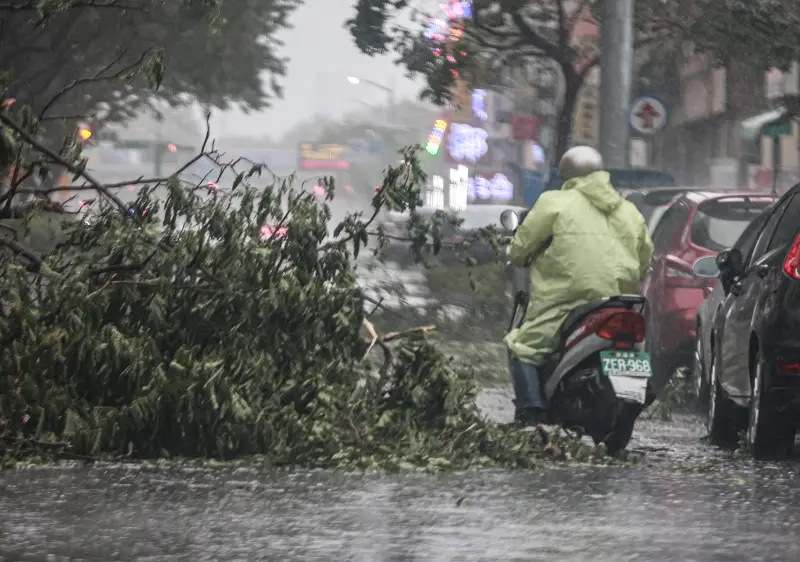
770 433
698 370
721 419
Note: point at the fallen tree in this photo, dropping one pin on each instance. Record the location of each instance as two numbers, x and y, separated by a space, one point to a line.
224 323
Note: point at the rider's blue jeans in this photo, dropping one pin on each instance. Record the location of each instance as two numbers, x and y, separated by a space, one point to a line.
527 387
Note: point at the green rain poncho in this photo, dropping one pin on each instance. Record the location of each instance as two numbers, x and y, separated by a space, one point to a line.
586 243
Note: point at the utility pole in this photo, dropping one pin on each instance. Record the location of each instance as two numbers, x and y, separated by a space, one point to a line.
616 67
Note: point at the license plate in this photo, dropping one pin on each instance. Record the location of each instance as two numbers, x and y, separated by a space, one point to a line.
626 364
630 388
628 371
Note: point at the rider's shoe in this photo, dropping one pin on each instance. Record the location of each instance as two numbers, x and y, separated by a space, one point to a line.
530 416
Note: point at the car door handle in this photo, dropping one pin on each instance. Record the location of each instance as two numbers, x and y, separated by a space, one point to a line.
762 270
737 289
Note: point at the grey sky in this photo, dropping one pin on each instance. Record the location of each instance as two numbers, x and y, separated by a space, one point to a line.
322 54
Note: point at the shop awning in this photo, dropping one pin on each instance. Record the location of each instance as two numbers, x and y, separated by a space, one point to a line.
750 129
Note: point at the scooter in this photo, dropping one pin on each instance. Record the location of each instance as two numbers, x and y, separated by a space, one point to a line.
598 379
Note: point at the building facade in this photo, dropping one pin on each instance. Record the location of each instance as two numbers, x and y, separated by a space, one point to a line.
702 144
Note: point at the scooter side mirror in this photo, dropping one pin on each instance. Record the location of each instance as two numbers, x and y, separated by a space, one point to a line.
510 220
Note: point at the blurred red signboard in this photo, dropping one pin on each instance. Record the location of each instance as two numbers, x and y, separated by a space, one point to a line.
525 127
315 156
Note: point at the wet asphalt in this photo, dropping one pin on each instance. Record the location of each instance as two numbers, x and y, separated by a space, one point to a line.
686 501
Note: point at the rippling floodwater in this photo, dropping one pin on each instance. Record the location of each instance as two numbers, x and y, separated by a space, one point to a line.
732 511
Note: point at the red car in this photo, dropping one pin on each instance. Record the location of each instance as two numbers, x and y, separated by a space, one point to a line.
695 225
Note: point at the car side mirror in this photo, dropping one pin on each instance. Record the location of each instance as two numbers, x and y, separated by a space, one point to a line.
510 220
730 264
706 267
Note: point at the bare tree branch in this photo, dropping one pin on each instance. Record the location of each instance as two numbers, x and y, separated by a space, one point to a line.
639 43
564 31
34 6
536 39
576 16
97 78
21 250
58 159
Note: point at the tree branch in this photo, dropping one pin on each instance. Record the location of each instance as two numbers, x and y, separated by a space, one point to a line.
34 6
578 14
21 250
96 78
58 159
563 29
641 42
535 39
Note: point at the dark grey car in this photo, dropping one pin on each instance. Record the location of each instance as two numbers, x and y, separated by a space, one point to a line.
713 304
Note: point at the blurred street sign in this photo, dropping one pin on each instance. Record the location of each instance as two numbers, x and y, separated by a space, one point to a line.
648 115
777 129
363 147
321 156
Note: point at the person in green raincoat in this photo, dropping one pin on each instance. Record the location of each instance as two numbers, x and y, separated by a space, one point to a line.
583 242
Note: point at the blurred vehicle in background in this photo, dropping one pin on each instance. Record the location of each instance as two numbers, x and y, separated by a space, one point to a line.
695 225
754 366
711 306
625 178
459 243
653 202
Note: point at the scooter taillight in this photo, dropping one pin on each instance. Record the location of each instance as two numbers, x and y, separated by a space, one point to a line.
624 328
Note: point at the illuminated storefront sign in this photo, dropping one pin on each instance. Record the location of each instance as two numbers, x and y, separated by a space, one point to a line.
467 142
437 29
313 156
440 29
434 197
436 136
479 105
458 9
479 187
459 179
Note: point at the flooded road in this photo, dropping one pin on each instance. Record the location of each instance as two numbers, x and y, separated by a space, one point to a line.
685 502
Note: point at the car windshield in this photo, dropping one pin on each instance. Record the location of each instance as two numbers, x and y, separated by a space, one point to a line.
718 224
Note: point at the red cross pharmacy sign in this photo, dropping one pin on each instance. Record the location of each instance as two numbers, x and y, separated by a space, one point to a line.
648 115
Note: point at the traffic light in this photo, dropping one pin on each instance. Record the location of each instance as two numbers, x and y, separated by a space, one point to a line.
85 133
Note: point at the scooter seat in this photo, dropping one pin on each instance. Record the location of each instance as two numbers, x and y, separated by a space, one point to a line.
580 313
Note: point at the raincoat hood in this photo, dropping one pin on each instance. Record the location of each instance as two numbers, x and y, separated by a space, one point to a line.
597 188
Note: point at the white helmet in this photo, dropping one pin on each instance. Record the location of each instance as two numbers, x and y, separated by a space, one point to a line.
579 161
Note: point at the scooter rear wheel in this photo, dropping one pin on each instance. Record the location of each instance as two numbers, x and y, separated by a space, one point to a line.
606 411
623 430
587 399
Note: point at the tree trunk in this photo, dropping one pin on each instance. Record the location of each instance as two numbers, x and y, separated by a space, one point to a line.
573 82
